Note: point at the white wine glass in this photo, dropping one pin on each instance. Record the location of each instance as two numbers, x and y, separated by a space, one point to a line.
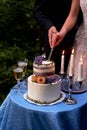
23 64
18 72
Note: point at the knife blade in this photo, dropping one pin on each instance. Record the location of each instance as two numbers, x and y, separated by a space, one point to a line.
49 57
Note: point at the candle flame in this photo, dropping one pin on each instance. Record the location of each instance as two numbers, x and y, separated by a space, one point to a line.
81 59
72 51
63 52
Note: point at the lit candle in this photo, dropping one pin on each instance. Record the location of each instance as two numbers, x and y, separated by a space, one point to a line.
71 67
80 70
62 63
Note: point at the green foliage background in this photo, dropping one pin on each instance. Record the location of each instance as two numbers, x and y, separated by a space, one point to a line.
18 39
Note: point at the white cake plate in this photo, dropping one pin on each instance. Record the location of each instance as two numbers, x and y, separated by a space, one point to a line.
62 97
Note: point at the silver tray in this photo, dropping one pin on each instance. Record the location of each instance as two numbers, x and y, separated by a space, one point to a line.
64 87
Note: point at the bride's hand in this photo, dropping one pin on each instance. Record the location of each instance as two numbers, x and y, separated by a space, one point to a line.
60 37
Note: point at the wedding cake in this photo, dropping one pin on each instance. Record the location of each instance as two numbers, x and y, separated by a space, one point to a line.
43 84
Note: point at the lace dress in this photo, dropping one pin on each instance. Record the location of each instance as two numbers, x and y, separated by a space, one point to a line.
81 44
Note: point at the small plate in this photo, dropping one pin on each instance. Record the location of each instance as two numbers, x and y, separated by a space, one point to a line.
62 97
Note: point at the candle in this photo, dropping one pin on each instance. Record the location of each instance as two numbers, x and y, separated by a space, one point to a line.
71 67
62 63
80 70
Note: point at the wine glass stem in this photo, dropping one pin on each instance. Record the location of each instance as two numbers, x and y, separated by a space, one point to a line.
18 83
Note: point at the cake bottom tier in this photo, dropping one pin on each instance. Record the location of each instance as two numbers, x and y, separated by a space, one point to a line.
43 93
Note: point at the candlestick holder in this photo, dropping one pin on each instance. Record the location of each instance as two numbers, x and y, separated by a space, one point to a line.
80 82
62 75
70 100
77 84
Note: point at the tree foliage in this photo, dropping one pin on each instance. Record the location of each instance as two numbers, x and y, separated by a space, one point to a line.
18 38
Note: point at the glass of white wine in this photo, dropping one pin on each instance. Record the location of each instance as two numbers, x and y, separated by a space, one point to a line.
18 72
23 64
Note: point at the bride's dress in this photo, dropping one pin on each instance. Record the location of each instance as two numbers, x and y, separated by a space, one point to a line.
81 44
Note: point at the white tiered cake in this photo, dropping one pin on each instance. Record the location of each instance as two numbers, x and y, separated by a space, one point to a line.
44 84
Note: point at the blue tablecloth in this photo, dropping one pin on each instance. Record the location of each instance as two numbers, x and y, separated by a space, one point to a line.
18 114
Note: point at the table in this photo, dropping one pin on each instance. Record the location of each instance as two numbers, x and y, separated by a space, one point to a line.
18 114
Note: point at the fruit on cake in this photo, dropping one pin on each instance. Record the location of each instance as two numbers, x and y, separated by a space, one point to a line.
43 84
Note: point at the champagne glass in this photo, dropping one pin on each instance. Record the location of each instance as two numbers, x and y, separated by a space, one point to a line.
23 64
18 72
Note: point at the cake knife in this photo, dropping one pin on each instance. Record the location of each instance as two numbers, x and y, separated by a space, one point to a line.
50 54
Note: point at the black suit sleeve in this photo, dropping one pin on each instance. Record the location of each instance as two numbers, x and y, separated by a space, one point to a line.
41 15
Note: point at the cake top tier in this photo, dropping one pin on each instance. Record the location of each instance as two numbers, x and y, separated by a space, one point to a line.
44 71
42 67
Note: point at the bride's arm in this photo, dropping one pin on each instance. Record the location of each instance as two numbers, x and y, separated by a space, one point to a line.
72 17
69 22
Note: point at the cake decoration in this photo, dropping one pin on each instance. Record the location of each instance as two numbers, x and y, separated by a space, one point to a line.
39 59
45 80
41 79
